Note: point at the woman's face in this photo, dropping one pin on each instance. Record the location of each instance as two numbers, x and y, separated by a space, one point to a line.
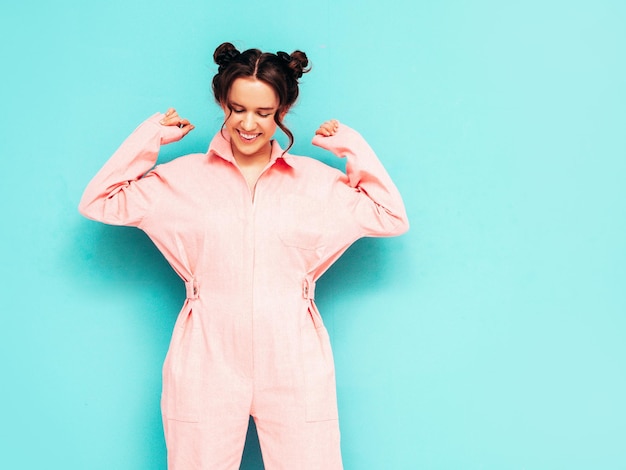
249 115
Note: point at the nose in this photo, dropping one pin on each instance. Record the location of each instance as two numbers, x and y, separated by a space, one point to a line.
247 122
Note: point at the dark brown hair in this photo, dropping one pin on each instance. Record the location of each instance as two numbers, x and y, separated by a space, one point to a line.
280 71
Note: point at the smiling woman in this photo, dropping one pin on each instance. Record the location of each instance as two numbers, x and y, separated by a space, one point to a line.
251 106
249 228
280 72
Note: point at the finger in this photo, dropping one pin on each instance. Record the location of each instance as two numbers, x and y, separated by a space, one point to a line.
171 120
187 129
322 131
170 117
328 128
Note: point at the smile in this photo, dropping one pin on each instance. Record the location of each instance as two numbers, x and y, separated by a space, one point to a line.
247 137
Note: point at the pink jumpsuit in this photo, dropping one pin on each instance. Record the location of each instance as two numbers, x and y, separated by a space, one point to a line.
249 340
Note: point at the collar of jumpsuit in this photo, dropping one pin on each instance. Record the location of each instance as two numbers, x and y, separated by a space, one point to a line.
220 146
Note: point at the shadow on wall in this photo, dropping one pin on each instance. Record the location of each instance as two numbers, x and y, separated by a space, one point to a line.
252 459
369 264
124 255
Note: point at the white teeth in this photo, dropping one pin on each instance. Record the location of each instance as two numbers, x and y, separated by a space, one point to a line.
247 136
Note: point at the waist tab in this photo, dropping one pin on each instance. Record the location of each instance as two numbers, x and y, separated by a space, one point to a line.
191 287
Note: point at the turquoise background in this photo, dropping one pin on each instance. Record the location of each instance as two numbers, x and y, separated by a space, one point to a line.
491 336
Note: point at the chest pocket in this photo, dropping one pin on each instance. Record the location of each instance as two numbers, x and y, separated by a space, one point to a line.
303 222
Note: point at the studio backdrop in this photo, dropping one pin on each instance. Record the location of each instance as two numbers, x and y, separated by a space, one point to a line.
490 336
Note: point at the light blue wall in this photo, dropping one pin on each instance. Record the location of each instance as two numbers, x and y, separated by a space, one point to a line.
491 336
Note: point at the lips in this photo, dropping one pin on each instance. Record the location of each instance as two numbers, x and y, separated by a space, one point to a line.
248 138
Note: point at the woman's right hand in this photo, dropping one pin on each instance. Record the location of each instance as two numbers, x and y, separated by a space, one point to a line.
171 118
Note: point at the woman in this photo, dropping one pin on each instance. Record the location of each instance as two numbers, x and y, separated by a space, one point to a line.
249 228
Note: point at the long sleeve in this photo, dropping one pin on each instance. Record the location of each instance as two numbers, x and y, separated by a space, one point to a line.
123 190
371 198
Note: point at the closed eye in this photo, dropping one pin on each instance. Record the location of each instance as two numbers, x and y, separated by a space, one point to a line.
262 112
263 115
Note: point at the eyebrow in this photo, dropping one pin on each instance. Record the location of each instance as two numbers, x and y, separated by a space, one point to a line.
232 103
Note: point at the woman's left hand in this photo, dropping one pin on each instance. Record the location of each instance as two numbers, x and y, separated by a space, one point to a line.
328 128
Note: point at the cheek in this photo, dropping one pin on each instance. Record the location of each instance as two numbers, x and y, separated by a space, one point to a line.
270 127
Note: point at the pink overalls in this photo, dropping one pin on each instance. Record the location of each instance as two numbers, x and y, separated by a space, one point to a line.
249 339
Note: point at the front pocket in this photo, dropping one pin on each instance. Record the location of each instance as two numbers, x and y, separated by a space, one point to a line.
302 222
182 376
319 374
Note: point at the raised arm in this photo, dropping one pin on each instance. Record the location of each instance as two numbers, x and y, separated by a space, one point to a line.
122 191
372 199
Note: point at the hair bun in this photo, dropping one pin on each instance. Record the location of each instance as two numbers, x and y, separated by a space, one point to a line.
225 54
297 62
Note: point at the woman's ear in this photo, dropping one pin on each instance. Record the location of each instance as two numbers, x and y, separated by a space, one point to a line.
283 113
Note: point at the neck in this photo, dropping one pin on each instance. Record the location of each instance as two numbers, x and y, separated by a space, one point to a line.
260 158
